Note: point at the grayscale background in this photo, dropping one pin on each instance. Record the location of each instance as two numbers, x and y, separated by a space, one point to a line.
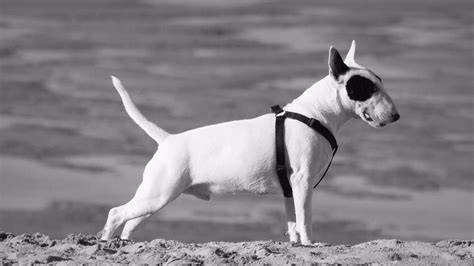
69 152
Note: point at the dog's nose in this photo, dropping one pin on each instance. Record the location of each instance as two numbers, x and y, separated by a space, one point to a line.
395 117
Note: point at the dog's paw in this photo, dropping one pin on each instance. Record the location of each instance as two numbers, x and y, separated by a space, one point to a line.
293 236
100 234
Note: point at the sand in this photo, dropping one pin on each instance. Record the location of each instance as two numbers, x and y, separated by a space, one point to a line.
39 248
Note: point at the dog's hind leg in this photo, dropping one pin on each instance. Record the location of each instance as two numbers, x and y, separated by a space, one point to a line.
131 225
154 193
136 208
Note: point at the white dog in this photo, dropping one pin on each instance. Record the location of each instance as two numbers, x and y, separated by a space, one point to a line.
239 156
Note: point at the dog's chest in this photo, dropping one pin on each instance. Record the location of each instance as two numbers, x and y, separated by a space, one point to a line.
308 152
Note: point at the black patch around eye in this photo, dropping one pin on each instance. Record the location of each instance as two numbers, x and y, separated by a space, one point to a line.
359 88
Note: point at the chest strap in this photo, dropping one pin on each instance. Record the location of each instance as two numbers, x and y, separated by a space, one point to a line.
281 115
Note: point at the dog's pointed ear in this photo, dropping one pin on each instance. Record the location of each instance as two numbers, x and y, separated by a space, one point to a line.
337 67
350 57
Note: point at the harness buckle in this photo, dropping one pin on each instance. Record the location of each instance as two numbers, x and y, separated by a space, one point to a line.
277 110
312 122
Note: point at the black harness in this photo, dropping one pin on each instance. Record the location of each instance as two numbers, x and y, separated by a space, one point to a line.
280 144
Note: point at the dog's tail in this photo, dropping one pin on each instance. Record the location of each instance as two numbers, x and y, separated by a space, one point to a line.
150 128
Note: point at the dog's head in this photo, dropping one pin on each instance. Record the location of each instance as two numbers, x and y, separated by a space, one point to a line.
361 91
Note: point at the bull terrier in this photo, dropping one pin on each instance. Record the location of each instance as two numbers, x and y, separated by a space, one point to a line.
239 156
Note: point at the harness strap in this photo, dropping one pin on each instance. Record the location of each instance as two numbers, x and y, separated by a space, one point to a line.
280 151
280 144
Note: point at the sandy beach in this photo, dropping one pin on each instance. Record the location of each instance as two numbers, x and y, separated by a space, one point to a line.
80 249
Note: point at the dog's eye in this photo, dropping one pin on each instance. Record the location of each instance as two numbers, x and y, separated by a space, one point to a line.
360 88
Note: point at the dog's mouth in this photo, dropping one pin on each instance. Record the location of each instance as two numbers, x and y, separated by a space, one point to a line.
371 121
367 116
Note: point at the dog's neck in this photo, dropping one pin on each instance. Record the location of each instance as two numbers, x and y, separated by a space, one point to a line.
323 102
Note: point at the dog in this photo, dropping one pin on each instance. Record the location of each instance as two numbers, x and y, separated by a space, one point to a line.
239 156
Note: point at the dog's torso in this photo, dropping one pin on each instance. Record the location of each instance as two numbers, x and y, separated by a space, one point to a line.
223 158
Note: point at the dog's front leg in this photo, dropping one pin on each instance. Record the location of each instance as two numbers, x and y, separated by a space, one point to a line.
302 194
291 219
